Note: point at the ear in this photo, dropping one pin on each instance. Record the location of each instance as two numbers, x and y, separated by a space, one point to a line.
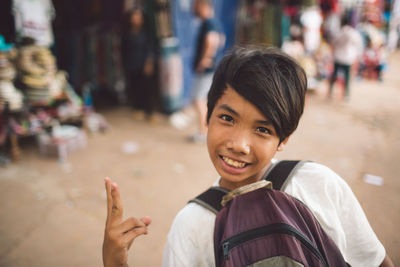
282 145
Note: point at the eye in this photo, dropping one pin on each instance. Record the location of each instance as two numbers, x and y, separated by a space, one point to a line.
225 117
263 130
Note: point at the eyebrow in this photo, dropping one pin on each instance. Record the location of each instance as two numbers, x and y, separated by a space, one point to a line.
234 112
229 109
264 122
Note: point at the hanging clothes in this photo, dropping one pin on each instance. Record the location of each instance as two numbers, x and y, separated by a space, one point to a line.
33 19
271 24
7 28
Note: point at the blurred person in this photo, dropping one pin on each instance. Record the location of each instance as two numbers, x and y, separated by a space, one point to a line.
254 105
373 58
331 26
347 48
394 26
371 33
372 61
294 46
208 41
324 60
138 62
311 19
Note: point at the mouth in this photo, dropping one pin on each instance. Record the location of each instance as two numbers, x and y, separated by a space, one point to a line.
234 163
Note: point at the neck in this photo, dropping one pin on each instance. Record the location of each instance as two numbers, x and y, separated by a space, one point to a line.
135 29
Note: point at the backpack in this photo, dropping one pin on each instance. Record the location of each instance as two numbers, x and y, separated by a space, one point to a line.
259 226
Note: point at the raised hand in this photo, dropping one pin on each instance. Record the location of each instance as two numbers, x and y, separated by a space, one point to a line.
119 234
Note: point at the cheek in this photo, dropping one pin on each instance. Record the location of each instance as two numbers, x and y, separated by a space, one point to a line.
212 137
215 135
213 145
265 154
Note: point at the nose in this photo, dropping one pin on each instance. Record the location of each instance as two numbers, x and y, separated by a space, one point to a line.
239 142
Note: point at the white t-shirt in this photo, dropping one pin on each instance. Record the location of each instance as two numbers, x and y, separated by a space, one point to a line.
311 20
33 19
347 46
190 240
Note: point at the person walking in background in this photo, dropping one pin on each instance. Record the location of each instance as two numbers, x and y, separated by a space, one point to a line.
208 41
347 49
372 61
138 62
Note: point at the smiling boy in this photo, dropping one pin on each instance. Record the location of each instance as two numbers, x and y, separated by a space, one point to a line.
241 142
254 105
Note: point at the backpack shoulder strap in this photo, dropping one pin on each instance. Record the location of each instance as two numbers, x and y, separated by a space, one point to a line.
281 173
211 198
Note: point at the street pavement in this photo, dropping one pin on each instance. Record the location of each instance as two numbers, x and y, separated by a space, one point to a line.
53 213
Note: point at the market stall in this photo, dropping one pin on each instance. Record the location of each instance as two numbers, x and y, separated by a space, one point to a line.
35 99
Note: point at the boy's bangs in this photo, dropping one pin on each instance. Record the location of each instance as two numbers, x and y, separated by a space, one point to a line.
257 91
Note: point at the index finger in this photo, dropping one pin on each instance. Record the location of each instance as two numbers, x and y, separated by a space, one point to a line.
114 204
107 183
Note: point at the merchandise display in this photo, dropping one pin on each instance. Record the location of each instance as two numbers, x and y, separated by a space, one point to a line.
61 141
39 75
45 103
9 95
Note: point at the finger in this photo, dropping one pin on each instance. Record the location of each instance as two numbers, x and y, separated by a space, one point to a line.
146 220
116 209
107 183
130 224
130 236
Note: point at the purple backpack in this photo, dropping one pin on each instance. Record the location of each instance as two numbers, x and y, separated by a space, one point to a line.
257 226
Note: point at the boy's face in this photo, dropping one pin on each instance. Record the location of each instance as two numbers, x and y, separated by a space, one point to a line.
241 141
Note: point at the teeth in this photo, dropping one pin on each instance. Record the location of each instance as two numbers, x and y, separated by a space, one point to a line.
234 163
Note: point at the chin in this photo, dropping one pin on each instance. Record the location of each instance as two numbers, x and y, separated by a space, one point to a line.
237 179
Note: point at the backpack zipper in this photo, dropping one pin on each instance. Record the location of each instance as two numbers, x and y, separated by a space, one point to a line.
278 228
225 249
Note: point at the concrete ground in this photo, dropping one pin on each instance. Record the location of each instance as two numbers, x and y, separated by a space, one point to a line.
53 214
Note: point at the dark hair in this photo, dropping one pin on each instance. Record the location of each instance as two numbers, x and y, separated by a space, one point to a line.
266 77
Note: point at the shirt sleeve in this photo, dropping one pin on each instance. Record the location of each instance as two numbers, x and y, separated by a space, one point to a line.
363 246
339 213
190 240
211 26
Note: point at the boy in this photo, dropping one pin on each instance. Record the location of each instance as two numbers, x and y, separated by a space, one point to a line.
208 41
254 105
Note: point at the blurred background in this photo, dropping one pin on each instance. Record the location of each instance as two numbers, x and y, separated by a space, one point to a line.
67 119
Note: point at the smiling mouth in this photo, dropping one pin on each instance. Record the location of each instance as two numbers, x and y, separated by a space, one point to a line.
233 163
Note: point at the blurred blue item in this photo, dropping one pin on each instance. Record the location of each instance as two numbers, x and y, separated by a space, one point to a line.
171 76
4 160
4 47
87 96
